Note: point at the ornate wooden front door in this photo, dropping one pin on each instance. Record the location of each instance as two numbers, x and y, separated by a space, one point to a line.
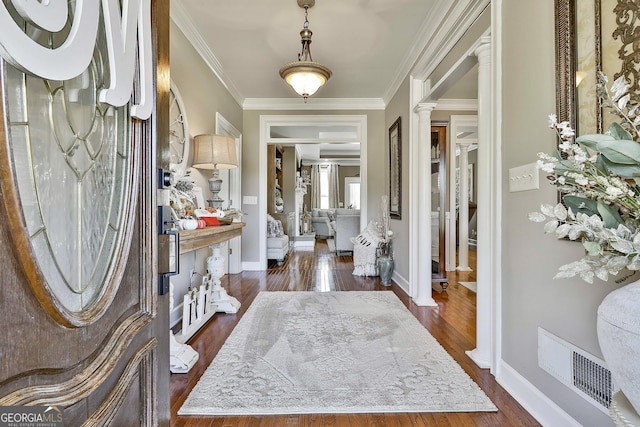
83 325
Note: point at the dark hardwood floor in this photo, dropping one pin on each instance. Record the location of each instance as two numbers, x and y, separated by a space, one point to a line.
452 323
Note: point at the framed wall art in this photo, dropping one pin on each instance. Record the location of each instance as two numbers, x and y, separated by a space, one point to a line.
395 170
593 36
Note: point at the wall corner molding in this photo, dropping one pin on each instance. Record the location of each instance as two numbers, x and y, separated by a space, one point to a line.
180 17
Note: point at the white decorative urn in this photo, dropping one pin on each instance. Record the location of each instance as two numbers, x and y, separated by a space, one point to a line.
619 338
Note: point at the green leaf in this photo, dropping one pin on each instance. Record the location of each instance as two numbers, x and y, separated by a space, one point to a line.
593 248
602 164
626 152
623 171
618 132
581 205
609 215
593 141
562 166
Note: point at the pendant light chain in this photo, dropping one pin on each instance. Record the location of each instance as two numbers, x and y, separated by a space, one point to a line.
305 55
305 76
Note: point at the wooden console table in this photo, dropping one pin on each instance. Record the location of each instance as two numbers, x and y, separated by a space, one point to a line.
202 302
191 240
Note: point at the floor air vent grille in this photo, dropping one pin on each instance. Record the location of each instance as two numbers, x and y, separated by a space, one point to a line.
592 379
577 369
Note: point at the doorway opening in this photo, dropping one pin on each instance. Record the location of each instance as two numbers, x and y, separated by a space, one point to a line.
306 134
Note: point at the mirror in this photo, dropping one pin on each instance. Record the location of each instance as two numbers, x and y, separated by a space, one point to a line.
592 36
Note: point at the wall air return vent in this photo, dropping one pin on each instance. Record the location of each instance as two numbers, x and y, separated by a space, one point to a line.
584 373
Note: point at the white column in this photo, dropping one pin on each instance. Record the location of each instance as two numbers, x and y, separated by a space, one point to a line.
463 217
424 293
482 354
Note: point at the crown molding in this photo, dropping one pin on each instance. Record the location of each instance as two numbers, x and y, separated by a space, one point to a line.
425 35
458 20
317 104
180 17
457 105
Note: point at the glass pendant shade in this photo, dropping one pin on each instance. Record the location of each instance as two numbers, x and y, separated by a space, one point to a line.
305 77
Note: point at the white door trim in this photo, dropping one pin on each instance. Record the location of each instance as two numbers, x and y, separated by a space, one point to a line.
490 247
224 127
454 123
266 121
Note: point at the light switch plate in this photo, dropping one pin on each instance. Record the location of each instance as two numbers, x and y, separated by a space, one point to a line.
249 200
523 178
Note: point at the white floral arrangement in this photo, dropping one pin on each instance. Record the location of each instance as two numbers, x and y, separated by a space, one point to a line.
384 228
599 177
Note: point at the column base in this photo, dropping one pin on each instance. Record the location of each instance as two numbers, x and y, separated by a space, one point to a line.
425 302
479 359
224 302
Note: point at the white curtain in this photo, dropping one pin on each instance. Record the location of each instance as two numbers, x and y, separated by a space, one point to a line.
315 186
334 187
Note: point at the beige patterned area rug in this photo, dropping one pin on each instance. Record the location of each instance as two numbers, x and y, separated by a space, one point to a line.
335 352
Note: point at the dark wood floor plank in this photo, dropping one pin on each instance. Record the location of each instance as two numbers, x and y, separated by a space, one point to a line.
452 323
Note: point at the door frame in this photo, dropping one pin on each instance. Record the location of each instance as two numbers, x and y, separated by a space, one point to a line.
224 127
489 248
266 121
455 122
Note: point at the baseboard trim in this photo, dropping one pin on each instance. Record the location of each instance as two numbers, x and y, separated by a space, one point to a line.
252 266
401 282
533 400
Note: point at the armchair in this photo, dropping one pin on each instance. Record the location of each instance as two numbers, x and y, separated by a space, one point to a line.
347 226
321 222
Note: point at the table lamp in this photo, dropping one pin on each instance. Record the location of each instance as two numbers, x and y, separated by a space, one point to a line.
215 152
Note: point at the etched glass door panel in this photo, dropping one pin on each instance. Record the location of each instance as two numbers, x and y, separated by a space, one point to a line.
74 174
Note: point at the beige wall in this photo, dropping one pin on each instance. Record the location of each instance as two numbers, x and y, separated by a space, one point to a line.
531 297
399 107
202 92
203 95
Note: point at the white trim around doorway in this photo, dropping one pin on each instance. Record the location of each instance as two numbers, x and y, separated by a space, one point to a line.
266 121
224 127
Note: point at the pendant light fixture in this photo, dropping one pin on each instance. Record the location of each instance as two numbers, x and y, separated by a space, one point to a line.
304 75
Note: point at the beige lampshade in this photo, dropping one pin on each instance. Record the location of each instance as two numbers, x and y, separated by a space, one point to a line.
214 152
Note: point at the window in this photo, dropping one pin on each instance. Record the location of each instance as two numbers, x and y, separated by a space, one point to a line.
324 187
352 192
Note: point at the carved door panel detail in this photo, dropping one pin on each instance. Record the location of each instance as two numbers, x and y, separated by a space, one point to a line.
78 294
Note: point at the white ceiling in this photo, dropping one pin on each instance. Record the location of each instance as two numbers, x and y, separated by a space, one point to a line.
370 45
